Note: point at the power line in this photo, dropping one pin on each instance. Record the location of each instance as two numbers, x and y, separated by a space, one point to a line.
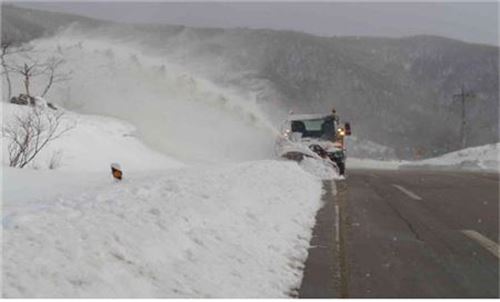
463 96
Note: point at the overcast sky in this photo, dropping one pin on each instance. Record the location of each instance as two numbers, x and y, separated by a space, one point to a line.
473 22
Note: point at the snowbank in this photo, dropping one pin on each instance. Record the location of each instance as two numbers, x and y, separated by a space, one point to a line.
231 231
482 158
321 169
22 186
93 144
485 158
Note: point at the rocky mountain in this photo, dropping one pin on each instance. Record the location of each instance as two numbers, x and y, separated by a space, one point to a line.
395 92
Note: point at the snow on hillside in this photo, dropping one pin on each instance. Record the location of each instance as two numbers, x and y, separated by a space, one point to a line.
93 144
486 158
238 230
482 158
166 230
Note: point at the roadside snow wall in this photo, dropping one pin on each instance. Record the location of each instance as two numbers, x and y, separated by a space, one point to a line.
233 231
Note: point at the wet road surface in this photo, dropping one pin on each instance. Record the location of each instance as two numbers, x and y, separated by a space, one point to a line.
406 233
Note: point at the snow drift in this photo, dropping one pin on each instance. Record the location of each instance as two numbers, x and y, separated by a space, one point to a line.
481 158
230 231
167 230
484 158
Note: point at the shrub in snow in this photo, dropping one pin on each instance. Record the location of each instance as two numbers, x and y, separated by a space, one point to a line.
30 131
55 160
23 99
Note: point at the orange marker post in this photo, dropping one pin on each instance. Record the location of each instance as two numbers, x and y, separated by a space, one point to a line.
116 171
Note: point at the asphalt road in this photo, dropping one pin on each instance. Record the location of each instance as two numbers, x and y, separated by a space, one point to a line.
406 234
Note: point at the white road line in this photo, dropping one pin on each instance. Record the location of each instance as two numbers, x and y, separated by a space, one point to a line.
337 238
407 192
337 224
488 244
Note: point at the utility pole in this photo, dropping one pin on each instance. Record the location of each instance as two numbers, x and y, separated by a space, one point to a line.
462 96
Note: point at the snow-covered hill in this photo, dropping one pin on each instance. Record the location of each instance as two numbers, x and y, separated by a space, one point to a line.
92 144
166 230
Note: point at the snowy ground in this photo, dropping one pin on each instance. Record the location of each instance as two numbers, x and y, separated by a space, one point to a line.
233 231
482 158
167 230
93 143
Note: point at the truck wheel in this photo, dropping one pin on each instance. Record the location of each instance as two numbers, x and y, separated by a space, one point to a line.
341 166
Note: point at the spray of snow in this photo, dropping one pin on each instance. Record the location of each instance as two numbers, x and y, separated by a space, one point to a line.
321 169
176 112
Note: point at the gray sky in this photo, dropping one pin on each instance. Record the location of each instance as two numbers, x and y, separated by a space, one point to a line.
473 22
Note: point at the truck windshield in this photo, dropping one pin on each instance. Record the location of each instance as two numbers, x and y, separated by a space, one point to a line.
317 128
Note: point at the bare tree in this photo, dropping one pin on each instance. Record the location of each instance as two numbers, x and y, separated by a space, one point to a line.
29 133
7 48
5 71
52 65
29 69
33 67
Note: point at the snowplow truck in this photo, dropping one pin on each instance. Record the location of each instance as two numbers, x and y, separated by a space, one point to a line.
318 136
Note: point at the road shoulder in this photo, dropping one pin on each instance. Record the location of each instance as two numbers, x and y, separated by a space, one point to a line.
320 278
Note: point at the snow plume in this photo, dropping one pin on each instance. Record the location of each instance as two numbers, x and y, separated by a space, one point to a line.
176 112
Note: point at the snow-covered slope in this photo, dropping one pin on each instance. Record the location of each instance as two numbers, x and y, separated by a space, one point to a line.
166 230
485 158
482 158
93 143
228 231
